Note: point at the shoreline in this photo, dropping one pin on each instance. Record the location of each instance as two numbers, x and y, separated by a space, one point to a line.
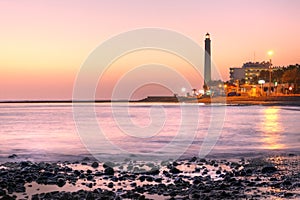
291 100
266 177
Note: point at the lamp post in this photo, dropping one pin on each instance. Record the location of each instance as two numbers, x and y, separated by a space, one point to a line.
270 53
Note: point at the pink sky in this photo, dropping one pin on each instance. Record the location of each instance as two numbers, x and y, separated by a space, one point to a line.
44 43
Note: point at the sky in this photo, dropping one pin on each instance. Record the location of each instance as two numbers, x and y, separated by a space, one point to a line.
43 44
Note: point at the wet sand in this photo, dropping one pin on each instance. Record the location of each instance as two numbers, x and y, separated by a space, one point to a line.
272 177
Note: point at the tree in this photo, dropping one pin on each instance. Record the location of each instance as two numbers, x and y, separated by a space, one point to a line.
292 75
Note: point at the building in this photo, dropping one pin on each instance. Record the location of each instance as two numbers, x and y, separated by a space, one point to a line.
236 74
252 71
249 72
207 60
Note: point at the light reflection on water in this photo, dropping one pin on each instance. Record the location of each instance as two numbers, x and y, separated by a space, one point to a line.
272 129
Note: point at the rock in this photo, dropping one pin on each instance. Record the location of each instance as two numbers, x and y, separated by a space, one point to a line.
142 178
109 171
288 195
24 164
12 156
248 171
158 180
167 174
133 184
268 169
193 159
77 173
174 170
60 182
95 164
89 177
110 185
149 179
2 192
108 164
287 183
273 179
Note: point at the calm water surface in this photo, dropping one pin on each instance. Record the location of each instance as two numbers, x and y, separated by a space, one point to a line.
48 131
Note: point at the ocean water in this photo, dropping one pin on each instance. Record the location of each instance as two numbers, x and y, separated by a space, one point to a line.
59 131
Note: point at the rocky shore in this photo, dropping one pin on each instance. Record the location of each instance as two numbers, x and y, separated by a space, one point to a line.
274 177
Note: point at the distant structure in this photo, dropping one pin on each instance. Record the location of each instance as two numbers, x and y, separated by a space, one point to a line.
236 74
248 72
207 60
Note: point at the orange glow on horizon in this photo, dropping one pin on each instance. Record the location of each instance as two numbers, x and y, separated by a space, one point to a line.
48 41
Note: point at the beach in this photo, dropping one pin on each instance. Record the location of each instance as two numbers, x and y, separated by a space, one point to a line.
271 177
44 157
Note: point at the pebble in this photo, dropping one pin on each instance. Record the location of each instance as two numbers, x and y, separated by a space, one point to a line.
95 165
170 183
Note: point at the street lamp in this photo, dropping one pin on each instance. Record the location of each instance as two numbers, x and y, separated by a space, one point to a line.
270 53
261 82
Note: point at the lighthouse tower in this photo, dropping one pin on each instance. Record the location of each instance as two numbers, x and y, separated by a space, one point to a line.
207 60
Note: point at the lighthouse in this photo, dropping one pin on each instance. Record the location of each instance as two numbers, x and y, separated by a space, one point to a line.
207 60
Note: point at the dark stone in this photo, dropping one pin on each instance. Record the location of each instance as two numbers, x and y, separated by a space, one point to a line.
197 169
153 171
174 170
193 159
95 164
288 195
20 188
7 197
2 192
197 180
149 179
273 179
167 174
248 171
158 180
61 182
287 183
243 173
77 173
133 184
108 164
268 169
12 156
24 164
82 176
110 185
109 171
98 174
142 178
114 179
89 177
257 179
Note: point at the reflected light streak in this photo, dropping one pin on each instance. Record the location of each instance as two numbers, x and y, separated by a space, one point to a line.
271 129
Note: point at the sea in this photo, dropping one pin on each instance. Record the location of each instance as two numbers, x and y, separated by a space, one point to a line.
108 131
